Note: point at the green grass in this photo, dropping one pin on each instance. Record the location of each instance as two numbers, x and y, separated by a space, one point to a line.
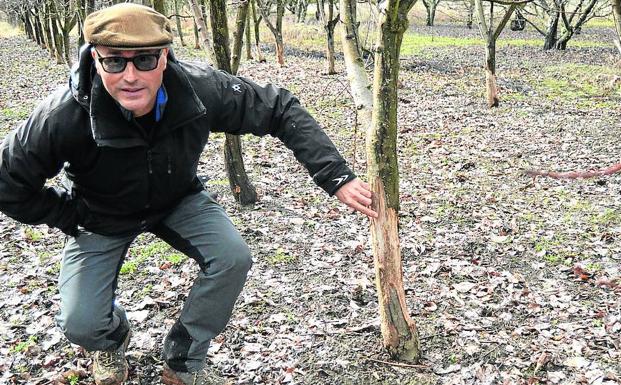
588 85
148 251
414 44
281 257
601 22
24 345
17 113
7 30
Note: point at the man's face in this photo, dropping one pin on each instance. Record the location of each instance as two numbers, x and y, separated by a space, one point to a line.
135 90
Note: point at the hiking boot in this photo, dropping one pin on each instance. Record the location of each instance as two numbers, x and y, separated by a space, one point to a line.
206 376
110 367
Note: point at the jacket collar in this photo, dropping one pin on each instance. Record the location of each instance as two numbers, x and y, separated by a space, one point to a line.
111 124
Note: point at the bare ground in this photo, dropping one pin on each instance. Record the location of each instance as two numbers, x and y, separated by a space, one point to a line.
510 280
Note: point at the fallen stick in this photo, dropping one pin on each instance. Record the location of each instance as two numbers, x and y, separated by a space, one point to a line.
575 174
400 364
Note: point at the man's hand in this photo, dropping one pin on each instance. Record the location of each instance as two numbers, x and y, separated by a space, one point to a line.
357 195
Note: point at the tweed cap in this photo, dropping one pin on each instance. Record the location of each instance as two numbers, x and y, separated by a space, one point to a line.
128 26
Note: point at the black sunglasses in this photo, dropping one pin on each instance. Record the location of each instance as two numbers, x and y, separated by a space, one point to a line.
117 64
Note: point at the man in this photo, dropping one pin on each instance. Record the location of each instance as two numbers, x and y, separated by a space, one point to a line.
128 131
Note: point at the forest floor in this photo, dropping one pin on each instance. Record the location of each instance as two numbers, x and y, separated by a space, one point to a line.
511 280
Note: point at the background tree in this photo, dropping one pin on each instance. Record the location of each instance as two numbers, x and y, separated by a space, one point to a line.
201 28
490 34
256 19
178 22
238 34
571 15
265 7
243 191
378 113
430 7
329 23
616 12
160 6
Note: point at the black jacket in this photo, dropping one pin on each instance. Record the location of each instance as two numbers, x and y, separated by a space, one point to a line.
124 181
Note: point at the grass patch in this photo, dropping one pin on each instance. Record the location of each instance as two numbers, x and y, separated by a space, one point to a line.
414 43
152 249
7 30
16 113
590 85
600 22
24 345
281 257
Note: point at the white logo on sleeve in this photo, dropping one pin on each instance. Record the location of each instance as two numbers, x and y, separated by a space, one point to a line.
340 179
237 88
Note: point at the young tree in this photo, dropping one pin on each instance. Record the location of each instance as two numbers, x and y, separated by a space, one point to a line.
178 22
243 191
276 28
379 116
571 20
430 7
238 34
329 23
201 28
160 6
490 34
616 12
257 37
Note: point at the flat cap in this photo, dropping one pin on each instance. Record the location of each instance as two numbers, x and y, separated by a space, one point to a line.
128 26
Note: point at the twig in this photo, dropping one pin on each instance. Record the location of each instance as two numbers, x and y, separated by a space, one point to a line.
400 364
575 174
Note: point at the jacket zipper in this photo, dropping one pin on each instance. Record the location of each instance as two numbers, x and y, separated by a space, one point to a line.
149 157
169 163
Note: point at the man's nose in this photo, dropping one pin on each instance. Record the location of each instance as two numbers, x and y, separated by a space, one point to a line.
130 72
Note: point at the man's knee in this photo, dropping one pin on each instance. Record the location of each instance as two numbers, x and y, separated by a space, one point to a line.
236 259
80 328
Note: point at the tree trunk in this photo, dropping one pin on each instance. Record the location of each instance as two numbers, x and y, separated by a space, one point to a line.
201 26
158 5
178 22
570 29
430 7
45 25
329 23
38 30
356 73
197 45
248 36
551 30
400 335
470 17
238 34
275 29
490 74
28 26
243 191
257 36
616 12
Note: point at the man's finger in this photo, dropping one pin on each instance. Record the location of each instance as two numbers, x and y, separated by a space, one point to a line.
363 209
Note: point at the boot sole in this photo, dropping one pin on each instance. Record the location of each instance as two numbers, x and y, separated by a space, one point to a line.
169 378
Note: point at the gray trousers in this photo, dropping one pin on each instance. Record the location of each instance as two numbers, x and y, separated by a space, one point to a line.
199 228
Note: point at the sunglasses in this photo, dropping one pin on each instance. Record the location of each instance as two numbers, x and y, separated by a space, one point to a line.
117 64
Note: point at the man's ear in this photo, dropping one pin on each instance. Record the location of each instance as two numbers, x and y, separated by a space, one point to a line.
165 57
94 56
